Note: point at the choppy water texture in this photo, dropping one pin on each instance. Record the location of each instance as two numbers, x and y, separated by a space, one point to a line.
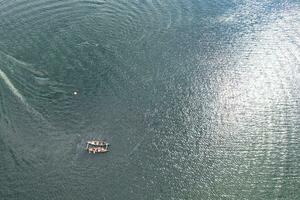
200 99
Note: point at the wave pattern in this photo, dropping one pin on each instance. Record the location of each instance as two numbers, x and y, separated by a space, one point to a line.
199 98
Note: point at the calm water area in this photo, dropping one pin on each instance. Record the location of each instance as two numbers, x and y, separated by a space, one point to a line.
199 99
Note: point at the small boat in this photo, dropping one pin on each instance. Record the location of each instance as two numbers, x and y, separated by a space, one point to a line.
97 146
97 143
97 150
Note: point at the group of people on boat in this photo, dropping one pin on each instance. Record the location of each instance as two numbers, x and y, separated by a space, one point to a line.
97 146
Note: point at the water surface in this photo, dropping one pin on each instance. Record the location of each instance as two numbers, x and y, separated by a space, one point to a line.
199 99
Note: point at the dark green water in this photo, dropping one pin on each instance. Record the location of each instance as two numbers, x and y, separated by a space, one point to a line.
200 99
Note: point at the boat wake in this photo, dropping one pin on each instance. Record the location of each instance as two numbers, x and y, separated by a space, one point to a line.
12 88
12 68
21 98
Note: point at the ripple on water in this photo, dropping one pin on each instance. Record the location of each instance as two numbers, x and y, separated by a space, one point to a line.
199 99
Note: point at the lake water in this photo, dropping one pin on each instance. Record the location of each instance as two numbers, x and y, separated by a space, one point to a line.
199 99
